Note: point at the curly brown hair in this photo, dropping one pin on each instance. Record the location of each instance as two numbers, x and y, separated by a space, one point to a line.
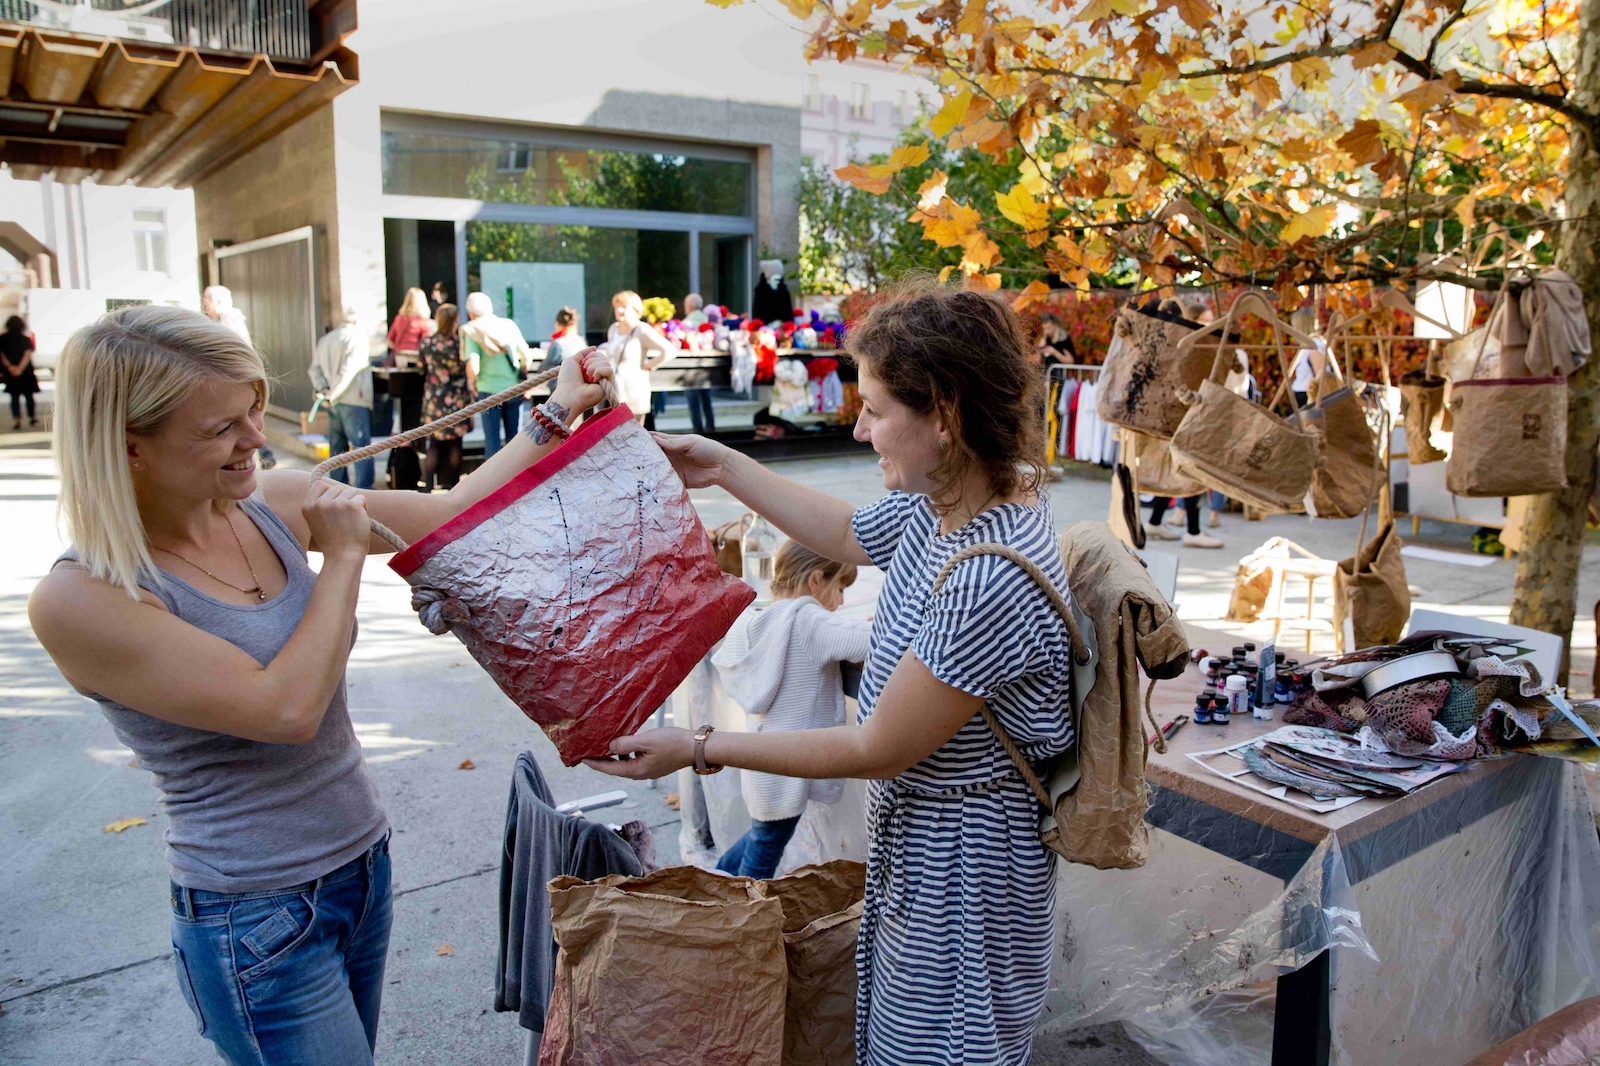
961 354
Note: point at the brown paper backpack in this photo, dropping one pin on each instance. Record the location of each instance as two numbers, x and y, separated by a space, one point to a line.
1147 373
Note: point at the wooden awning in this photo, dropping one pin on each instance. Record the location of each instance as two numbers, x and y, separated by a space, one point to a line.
122 111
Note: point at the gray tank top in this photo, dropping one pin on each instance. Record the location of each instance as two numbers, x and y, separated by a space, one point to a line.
242 815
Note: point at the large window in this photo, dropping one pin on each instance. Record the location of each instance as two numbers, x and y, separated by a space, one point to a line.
510 170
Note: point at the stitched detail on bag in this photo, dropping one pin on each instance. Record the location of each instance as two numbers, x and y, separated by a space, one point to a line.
1260 454
1532 421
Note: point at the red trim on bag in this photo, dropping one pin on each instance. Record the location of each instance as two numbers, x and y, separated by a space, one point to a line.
1511 381
583 438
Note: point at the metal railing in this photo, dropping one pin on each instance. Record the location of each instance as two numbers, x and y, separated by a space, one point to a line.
277 28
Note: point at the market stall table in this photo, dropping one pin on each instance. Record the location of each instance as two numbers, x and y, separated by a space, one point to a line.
1463 912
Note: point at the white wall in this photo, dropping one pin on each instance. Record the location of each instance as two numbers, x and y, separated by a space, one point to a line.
832 135
107 234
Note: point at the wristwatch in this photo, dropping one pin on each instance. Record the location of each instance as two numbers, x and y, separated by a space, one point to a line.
700 764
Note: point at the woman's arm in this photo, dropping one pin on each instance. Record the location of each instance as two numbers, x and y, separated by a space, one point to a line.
916 715
144 657
413 515
655 341
810 516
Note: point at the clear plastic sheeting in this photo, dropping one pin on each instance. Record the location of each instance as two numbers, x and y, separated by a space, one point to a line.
1452 927
712 807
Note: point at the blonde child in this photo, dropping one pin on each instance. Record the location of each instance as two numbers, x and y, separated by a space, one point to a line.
781 664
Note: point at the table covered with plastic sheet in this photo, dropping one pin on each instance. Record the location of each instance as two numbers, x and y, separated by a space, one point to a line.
1417 930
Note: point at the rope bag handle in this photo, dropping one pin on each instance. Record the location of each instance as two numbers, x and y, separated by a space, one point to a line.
399 440
1080 652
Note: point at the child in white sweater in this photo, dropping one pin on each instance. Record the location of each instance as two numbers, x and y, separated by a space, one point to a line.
781 664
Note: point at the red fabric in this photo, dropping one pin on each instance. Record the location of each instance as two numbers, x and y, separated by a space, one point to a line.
585 586
817 369
766 364
407 332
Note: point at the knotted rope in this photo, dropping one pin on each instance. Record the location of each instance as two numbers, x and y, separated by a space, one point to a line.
399 440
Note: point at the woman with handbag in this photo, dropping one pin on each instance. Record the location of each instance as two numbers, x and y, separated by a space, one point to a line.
186 609
957 926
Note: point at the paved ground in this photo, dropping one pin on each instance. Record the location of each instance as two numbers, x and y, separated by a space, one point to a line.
84 970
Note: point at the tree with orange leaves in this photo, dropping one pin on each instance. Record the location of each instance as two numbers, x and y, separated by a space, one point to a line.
1283 144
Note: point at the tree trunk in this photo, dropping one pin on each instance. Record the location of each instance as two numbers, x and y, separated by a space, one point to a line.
1547 570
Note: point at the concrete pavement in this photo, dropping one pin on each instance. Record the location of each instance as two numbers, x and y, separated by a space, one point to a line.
85 975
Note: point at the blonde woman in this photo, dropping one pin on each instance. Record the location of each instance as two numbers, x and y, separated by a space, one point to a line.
636 348
186 610
410 328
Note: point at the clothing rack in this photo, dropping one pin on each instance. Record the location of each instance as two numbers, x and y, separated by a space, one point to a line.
1062 435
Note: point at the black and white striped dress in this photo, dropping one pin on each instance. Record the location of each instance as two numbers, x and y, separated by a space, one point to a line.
954 955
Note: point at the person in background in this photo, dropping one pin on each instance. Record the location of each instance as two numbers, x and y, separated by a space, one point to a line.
565 341
1055 343
636 348
781 664
699 400
438 295
496 354
445 391
217 303
1308 363
16 367
406 333
1192 536
341 373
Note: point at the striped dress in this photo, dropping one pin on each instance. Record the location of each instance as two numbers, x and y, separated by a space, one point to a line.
956 935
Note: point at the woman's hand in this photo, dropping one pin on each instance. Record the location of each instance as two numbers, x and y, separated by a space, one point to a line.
337 516
577 385
698 461
656 753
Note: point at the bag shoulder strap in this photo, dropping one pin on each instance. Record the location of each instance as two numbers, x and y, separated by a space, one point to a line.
1080 651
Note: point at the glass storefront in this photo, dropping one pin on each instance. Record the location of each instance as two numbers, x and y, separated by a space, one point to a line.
417 163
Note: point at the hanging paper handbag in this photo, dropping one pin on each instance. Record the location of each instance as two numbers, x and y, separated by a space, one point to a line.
1510 433
1241 448
1421 401
1348 470
1152 467
585 586
1147 373
1371 597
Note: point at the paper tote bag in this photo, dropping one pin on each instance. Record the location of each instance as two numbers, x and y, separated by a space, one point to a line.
1510 437
1152 467
1243 450
1147 373
1370 590
1422 400
1348 475
821 920
680 966
586 585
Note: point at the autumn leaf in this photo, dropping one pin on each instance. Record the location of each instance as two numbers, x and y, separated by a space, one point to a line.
1196 14
931 192
446 948
972 19
1311 223
951 113
1022 208
1036 291
671 801
944 274
977 133
1264 88
908 155
724 4
1298 150
1363 143
978 252
1311 73
1425 97
857 14
800 9
1465 210
1374 54
863 179
467 764
123 823
988 281
1103 9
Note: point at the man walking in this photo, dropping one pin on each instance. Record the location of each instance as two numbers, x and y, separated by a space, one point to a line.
496 354
342 375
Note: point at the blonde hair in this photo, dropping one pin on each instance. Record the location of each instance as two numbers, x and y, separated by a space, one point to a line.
794 564
628 298
415 305
128 373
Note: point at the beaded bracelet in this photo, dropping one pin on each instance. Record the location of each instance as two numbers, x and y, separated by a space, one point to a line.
554 427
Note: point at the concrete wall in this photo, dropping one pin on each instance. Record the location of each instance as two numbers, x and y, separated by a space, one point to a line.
283 184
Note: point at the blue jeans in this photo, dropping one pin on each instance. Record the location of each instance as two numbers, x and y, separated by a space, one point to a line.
292 976
700 412
757 853
499 425
349 428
